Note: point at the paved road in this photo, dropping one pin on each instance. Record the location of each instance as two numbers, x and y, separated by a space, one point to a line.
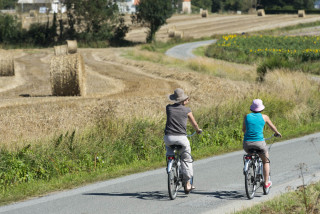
184 51
219 181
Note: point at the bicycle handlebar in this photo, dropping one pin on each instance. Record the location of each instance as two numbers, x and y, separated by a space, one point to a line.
190 135
269 138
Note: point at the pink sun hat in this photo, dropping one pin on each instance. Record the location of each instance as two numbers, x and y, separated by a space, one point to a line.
257 105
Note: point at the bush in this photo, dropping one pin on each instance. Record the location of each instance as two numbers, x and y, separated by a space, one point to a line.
10 29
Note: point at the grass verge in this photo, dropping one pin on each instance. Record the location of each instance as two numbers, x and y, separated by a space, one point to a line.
117 148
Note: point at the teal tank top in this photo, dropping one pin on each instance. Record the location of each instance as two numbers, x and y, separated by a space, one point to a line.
254 127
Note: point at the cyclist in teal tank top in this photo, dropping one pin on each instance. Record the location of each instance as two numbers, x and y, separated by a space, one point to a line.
253 125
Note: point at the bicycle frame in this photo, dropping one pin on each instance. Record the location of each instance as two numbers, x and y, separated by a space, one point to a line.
255 177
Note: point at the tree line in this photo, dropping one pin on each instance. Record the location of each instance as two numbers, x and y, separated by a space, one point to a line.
246 5
100 20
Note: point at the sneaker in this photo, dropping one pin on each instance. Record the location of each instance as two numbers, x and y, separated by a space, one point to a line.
268 185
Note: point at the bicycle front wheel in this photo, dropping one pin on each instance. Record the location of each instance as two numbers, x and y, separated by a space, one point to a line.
250 183
173 183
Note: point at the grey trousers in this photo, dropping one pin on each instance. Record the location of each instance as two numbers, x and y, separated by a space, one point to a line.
185 151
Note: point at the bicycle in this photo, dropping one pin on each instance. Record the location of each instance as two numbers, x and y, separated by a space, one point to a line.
175 179
253 172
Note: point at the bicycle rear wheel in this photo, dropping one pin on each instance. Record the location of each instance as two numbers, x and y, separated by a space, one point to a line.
173 183
250 183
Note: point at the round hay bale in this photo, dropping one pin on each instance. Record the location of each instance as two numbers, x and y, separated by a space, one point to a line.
204 14
261 12
171 33
67 75
33 13
72 46
60 50
7 67
178 34
301 13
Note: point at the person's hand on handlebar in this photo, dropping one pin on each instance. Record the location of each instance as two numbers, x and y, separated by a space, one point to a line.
199 131
277 134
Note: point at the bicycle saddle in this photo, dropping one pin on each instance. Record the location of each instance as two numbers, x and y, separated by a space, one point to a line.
257 151
175 147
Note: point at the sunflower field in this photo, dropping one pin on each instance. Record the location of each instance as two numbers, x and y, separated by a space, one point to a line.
293 52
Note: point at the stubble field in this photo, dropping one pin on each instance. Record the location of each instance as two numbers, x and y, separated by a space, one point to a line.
118 86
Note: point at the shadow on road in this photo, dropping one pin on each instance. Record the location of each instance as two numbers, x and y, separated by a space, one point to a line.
224 195
156 195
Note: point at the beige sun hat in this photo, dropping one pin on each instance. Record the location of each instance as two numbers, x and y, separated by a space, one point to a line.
178 96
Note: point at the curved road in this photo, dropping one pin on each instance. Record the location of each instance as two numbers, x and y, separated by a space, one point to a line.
219 181
184 51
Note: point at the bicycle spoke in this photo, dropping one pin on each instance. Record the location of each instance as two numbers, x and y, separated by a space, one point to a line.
173 183
250 182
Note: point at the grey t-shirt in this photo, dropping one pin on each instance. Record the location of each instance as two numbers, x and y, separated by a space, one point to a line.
177 118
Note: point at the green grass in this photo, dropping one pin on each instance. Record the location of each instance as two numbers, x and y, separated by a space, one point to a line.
117 148
302 200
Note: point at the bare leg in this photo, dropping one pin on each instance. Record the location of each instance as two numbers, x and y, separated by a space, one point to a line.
266 167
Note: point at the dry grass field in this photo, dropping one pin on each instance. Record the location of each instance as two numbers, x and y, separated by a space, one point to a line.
120 87
195 26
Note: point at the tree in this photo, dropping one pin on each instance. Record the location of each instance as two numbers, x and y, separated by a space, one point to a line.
153 14
297 4
94 20
9 28
204 4
216 6
7 4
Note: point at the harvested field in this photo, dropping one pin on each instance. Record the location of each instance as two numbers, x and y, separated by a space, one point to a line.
195 26
121 87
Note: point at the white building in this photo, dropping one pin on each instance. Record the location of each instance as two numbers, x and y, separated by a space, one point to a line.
42 6
127 6
185 6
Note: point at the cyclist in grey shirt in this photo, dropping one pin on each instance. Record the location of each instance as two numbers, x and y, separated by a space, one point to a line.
176 133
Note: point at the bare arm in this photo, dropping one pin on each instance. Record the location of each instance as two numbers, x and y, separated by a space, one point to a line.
270 124
194 123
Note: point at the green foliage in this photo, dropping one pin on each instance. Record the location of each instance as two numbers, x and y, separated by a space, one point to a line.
153 14
7 4
302 200
279 4
99 20
10 29
38 34
91 24
293 53
204 4
270 64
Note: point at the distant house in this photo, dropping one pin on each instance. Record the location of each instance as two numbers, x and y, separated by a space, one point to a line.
317 4
127 6
185 6
41 6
